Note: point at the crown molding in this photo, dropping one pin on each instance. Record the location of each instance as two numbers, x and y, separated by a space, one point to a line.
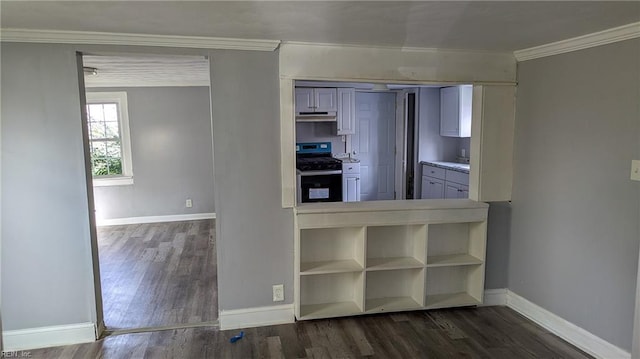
599 38
112 38
395 48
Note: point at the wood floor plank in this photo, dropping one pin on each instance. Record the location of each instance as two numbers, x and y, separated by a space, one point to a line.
374 336
158 274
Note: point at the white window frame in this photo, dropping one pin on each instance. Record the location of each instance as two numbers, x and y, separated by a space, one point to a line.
120 98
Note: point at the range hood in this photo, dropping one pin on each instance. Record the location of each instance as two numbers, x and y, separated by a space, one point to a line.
316 116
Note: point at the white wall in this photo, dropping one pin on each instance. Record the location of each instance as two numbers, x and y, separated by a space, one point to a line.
574 233
47 277
172 155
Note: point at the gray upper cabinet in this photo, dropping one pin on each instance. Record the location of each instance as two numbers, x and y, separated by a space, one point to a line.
316 100
455 111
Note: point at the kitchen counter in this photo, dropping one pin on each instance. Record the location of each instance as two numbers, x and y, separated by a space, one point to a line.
390 206
348 160
460 167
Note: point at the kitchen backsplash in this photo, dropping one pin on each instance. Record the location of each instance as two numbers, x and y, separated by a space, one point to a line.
320 132
464 143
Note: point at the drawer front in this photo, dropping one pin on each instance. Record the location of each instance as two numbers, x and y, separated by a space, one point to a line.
349 168
432 171
457 177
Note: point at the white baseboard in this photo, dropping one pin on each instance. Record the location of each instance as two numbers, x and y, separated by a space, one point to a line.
256 317
43 337
494 297
155 219
570 332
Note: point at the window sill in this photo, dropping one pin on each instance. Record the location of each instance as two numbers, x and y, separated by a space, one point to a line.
113 181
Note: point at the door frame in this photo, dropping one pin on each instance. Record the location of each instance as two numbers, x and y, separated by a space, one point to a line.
93 232
400 171
101 329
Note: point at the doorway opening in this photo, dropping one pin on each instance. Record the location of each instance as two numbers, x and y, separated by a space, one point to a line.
149 155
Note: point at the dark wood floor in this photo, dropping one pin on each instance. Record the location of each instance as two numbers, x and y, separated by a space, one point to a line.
489 332
158 274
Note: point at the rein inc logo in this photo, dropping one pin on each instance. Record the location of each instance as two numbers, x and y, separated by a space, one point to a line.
16 354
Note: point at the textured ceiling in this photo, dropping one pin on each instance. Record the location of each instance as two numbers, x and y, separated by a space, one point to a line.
137 71
476 25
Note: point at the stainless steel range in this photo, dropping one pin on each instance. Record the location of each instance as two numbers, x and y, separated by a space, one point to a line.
319 174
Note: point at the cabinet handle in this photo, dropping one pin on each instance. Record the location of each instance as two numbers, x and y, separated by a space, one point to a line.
357 179
432 183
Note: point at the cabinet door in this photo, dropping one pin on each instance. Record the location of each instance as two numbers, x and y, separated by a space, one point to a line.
351 188
456 190
304 100
346 119
432 188
326 100
449 112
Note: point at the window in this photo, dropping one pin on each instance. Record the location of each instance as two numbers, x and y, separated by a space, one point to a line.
109 141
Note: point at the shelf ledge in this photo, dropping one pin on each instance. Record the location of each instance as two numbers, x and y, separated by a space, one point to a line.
325 267
391 304
448 300
453 260
329 310
375 264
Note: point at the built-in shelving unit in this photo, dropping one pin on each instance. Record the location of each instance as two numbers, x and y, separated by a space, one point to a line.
355 259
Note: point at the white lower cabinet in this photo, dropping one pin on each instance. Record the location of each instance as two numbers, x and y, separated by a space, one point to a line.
456 190
443 183
350 182
432 188
346 270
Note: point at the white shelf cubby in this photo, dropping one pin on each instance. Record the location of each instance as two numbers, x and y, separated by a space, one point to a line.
455 244
396 247
394 290
331 250
331 295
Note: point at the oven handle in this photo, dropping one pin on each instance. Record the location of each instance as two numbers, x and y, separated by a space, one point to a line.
320 173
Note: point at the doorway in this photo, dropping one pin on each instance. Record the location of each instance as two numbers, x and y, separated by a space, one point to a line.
147 128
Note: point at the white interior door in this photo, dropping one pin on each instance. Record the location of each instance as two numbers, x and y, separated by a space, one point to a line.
374 144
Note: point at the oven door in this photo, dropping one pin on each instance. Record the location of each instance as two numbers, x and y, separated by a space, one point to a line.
320 186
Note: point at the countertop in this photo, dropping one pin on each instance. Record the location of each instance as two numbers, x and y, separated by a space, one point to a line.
389 205
460 167
348 159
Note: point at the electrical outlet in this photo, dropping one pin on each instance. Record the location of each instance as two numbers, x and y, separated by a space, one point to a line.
635 170
278 292
188 203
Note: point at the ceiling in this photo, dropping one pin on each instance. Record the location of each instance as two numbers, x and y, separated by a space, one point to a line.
473 25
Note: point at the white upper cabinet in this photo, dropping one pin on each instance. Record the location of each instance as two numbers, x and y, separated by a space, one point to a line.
346 118
304 100
455 111
325 100
316 100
